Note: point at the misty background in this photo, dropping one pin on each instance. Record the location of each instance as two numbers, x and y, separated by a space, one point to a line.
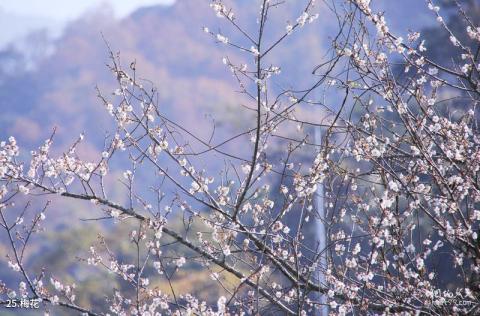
52 56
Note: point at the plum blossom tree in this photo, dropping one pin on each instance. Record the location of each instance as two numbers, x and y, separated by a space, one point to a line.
398 160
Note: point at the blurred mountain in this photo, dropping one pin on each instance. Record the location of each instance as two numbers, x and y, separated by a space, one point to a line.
169 48
174 54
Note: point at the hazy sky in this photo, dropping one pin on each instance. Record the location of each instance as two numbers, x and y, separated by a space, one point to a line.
18 17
